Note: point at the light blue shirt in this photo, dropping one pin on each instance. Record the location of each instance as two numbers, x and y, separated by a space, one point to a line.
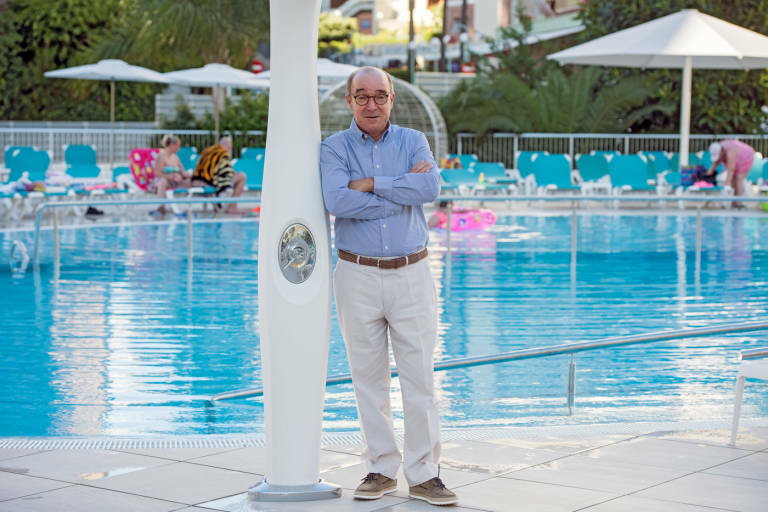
390 220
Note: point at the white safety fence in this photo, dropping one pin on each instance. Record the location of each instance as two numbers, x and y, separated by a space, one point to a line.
503 147
54 139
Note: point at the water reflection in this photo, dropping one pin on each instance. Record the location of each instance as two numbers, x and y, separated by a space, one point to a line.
130 336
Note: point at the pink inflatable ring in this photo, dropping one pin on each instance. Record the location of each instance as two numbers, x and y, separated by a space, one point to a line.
465 220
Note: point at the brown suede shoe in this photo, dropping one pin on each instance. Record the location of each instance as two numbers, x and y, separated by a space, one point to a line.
374 486
433 492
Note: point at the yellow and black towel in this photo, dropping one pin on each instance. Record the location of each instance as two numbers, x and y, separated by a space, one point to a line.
214 167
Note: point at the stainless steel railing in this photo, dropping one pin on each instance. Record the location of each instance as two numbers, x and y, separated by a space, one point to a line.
552 350
753 353
573 199
136 202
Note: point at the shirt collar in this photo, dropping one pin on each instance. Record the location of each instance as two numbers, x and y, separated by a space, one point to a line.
364 137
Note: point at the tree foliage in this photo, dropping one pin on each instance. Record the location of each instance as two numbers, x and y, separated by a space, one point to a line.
42 35
171 34
334 34
726 101
565 103
250 113
517 90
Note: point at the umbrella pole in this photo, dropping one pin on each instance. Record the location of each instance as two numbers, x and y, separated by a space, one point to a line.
111 125
685 111
216 114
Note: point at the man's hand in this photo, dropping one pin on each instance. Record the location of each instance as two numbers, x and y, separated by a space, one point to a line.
362 185
421 167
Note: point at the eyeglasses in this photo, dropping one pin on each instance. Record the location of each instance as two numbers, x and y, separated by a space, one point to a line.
379 99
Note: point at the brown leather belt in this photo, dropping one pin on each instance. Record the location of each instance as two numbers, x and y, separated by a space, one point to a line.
388 263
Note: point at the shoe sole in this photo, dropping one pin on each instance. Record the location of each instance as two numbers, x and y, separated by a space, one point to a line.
438 503
373 496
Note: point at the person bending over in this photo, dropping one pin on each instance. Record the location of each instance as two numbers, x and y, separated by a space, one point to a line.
737 158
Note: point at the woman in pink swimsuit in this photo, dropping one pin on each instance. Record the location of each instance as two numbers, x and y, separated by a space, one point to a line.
737 158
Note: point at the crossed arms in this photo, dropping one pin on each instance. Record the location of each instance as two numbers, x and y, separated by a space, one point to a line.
377 196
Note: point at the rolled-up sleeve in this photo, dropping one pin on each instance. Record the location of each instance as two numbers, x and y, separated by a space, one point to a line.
344 202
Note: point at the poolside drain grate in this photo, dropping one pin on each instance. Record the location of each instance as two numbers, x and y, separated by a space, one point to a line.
328 440
354 439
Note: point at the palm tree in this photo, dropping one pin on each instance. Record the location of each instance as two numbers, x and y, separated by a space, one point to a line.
504 102
169 34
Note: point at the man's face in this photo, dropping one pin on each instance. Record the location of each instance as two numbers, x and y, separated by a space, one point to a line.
227 145
371 118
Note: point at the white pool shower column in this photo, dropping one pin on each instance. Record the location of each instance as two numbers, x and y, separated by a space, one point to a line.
294 264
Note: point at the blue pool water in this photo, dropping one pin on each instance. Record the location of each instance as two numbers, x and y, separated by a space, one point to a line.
128 338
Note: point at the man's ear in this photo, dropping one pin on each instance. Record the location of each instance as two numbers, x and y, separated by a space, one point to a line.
349 101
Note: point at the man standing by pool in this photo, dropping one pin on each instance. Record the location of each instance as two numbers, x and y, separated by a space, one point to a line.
375 177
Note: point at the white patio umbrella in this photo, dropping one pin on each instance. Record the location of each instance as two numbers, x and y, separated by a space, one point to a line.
326 68
686 40
217 76
113 70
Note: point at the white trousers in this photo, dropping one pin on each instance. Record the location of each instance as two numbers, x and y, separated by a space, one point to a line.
372 303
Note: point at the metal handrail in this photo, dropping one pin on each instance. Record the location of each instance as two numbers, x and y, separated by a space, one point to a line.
753 353
637 198
450 199
530 353
69 204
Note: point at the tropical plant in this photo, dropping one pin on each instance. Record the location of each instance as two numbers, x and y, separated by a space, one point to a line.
334 34
249 113
42 35
170 34
727 101
504 102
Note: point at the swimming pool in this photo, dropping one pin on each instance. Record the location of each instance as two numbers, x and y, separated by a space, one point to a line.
128 338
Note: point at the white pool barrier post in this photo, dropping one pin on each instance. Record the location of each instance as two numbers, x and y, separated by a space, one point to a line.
294 264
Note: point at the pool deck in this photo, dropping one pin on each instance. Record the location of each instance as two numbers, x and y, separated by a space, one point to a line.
539 469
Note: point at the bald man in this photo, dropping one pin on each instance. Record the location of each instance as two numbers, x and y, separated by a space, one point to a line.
376 176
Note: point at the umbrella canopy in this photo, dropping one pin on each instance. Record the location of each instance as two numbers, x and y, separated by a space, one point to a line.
686 40
217 76
112 70
326 68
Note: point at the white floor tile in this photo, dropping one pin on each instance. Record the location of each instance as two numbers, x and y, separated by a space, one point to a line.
350 477
492 458
254 460
12 453
752 438
569 444
80 466
505 495
182 482
421 506
178 454
78 498
663 453
345 503
612 476
722 491
752 466
633 503
13 485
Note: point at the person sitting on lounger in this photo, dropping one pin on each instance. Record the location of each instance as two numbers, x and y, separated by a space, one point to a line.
168 173
214 169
